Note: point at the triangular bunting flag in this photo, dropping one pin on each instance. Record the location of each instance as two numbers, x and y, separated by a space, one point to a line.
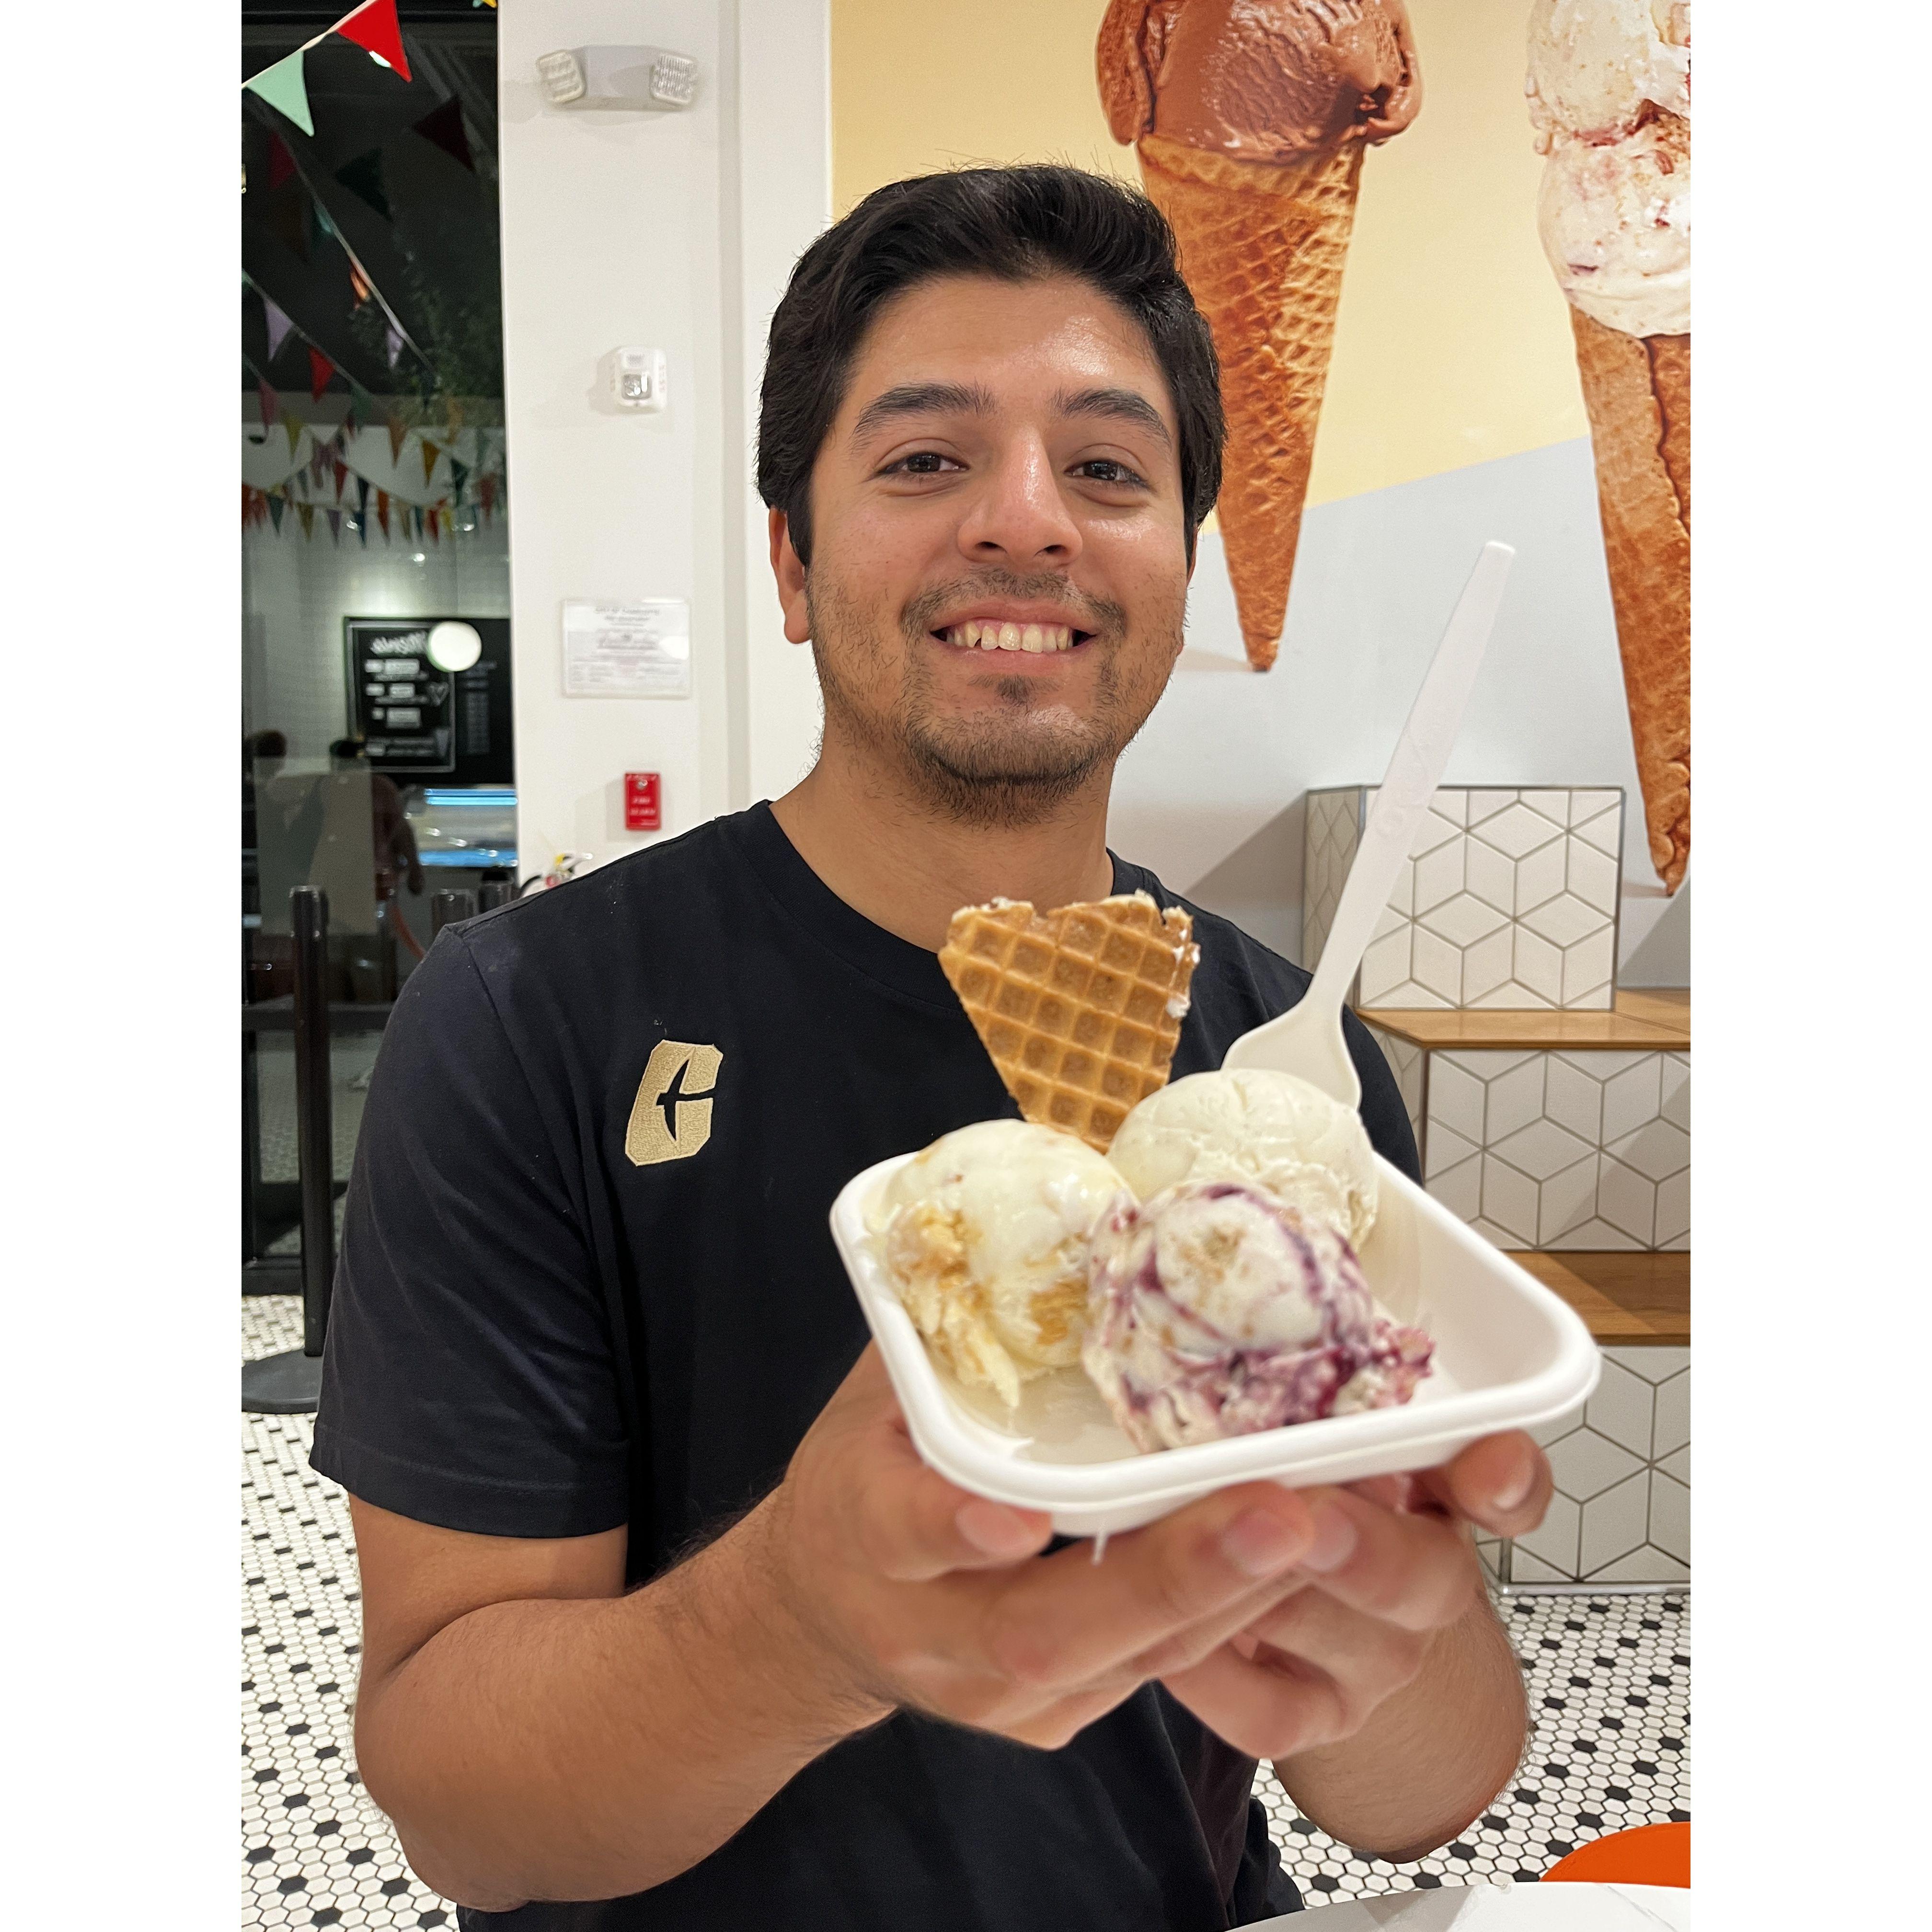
300 479
270 405
275 509
307 513
320 368
362 497
363 177
392 344
279 326
359 285
382 512
396 434
281 86
341 477
458 476
416 514
335 526
373 25
281 162
294 425
431 453
444 127
431 520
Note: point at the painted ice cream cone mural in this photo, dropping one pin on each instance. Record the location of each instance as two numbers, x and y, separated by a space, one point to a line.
1609 99
1250 118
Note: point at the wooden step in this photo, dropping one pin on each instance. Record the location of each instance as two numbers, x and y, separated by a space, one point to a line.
1635 1297
1644 1020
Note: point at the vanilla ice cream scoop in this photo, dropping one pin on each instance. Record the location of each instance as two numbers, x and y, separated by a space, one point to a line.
1279 1131
1594 66
1615 224
985 1237
1216 1312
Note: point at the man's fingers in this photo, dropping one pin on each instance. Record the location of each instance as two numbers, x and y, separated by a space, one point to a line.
1271 1708
1367 1657
1413 1570
1067 1622
1502 1483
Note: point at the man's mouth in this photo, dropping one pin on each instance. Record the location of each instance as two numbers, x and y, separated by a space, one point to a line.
977 633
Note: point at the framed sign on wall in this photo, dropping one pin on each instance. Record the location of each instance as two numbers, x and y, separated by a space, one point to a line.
416 718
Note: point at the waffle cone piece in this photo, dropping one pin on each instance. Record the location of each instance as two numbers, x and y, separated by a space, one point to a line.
1637 391
1262 247
1080 1009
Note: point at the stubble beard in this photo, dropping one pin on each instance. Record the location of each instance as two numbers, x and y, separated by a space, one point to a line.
1001 769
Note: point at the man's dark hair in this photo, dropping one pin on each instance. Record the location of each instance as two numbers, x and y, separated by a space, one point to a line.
1017 224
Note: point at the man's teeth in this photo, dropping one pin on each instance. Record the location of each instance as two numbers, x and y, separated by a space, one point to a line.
975 634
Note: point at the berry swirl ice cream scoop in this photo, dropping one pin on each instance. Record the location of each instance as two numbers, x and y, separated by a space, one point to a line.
1215 1311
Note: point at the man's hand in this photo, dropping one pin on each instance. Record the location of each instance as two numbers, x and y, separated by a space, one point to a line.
910 1592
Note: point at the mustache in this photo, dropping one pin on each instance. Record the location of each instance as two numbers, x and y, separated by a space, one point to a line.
1098 615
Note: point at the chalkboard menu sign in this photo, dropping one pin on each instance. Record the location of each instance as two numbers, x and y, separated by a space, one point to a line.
415 718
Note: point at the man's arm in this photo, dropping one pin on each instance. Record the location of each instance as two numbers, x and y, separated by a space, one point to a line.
519 1714
535 1734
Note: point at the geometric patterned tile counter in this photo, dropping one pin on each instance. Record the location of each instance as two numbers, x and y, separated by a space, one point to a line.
1508 900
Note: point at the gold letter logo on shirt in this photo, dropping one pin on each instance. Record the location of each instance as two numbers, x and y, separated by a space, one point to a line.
670 1119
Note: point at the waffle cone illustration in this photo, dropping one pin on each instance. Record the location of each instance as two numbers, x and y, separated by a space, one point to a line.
1637 391
1080 1009
1262 249
1250 118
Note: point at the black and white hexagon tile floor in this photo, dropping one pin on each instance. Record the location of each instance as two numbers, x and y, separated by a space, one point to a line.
1609 1688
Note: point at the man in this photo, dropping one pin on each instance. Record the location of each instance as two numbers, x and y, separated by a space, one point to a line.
661 1608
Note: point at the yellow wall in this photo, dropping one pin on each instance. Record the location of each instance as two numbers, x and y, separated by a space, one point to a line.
1452 345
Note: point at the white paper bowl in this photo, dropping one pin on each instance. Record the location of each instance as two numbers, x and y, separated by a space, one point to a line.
1509 1354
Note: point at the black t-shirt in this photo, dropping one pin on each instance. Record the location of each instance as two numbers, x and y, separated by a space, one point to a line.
587 1279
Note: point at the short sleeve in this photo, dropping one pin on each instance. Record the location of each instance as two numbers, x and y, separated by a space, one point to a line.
469 1377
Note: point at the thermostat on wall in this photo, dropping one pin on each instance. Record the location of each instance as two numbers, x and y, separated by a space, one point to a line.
637 377
631 77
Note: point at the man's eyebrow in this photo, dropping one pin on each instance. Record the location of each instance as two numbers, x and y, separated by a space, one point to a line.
923 399
1125 405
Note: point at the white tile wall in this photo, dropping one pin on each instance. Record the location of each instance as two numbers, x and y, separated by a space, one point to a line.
1621 1513
1580 1149
1510 898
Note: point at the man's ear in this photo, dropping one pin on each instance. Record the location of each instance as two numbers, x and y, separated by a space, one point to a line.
790 573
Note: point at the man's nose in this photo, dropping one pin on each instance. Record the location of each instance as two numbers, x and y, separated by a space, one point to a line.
1018 516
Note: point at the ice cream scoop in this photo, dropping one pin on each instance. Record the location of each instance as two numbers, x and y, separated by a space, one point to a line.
1594 66
1615 219
985 1237
1215 1311
1275 1131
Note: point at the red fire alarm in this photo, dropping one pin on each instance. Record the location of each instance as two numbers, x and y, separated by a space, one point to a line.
642 812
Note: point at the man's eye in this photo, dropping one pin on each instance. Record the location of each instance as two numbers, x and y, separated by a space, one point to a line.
1105 470
921 462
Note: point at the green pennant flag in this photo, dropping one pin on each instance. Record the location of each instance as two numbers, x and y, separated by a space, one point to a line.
275 509
281 86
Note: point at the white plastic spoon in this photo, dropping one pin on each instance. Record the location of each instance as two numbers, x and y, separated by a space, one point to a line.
1307 1039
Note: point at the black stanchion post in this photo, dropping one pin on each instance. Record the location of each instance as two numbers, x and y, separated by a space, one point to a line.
446 908
308 911
290 1384
492 893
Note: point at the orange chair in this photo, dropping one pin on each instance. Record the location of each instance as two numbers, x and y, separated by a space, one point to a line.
1645 1855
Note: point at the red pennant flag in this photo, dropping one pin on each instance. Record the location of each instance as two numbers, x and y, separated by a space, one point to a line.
430 522
382 512
270 405
281 162
397 433
429 452
373 25
320 368
341 477
444 126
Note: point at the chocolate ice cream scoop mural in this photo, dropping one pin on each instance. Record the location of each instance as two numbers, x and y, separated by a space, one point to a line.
1609 99
1251 118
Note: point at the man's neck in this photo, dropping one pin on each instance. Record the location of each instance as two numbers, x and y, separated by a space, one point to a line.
888 854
